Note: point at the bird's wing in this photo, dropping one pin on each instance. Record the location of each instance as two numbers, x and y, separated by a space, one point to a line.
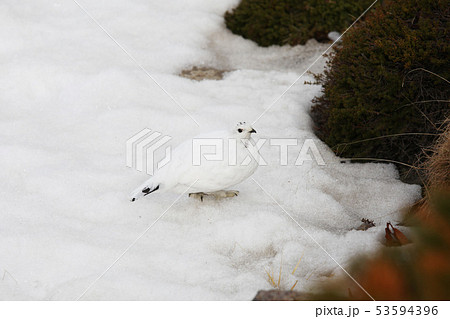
210 175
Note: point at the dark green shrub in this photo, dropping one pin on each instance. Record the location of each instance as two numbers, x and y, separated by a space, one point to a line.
269 22
380 82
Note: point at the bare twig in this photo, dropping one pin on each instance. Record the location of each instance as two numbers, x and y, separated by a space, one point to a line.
425 70
383 160
336 147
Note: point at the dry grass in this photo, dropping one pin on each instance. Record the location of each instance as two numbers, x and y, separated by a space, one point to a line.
437 168
438 165
276 282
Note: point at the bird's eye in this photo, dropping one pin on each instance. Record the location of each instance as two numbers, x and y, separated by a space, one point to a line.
240 130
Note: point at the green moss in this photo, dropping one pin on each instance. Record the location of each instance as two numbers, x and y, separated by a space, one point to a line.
269 22
378 82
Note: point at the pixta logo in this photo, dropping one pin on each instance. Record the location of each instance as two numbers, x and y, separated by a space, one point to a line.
141 151
147 151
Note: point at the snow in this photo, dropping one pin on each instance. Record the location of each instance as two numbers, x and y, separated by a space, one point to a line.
70 98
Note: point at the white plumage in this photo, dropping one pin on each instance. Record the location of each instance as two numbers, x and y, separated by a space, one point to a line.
209 176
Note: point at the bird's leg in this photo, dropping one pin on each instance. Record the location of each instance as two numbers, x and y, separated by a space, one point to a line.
217 195
225 194
198 196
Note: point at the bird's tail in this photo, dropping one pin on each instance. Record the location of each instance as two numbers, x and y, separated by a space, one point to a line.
143 190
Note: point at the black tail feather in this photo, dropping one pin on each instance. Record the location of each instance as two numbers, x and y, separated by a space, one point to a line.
147 190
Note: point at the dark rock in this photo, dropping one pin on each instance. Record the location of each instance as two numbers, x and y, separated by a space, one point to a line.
280 295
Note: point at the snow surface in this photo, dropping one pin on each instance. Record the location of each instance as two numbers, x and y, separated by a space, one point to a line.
70 98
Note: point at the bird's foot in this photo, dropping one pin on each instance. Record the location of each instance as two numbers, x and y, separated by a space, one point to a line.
225 194
217 195
198 196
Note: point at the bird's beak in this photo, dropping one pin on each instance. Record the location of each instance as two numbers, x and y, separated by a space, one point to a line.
252 130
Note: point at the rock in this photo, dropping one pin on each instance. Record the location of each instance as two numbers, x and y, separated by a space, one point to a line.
203 73
280 295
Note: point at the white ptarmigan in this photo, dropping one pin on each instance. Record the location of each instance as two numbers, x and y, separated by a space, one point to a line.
206 177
